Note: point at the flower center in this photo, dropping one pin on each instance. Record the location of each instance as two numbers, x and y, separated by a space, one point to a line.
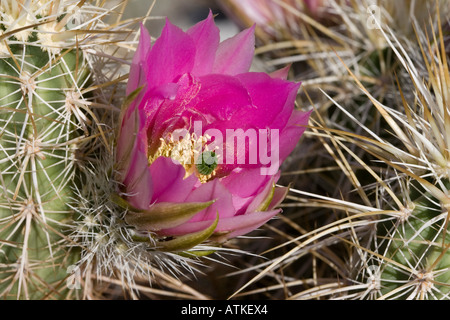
207 163
191 152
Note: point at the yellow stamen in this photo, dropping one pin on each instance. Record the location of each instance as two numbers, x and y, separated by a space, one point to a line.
185 151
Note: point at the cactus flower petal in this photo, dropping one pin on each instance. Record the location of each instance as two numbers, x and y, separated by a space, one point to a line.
172 54
281 73
171 186
294 129
227 228
240 225
138 68
235 55
206 38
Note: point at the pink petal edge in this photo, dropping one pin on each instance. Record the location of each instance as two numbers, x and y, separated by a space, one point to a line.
235 55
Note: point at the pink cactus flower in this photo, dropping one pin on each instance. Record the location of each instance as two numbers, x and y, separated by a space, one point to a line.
202 138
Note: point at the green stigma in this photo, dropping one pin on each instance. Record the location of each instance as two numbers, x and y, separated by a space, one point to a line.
208 163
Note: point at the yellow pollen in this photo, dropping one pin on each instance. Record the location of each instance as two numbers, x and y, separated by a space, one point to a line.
185 151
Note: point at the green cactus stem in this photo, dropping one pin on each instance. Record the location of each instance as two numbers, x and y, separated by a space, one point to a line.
41 122
416 261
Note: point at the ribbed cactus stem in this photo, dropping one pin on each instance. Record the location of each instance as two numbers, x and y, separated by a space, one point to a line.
417 258
41 103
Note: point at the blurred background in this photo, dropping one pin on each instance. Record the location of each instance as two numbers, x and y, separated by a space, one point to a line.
182 13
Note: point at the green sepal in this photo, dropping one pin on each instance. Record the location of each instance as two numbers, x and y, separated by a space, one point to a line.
139 238
161 215
196 254
188 241
266 203
130 98
121 202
